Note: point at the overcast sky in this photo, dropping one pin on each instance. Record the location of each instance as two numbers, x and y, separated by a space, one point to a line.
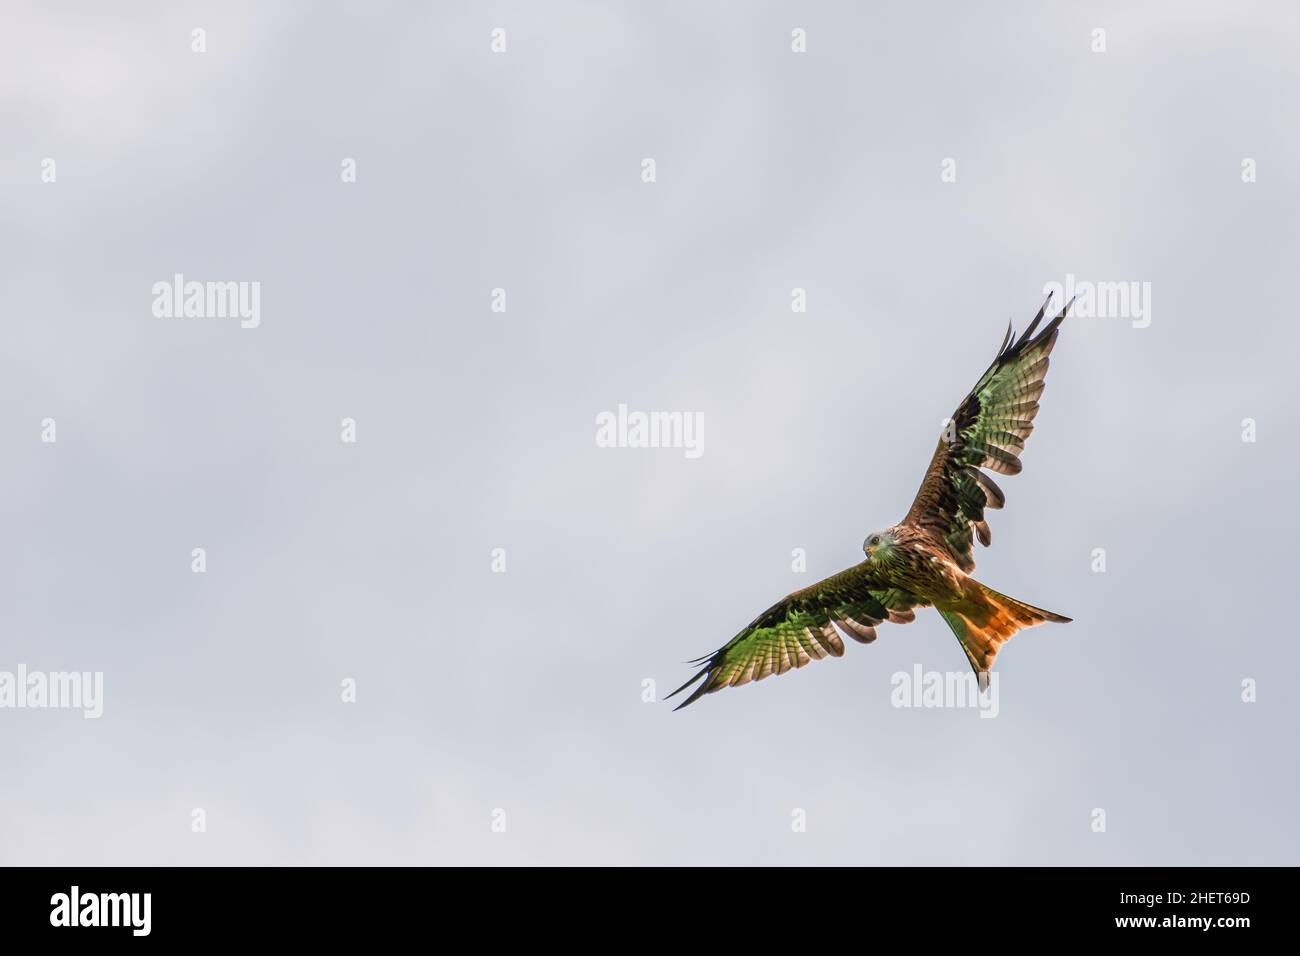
371 561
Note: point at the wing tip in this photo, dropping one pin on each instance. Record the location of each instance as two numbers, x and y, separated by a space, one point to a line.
1006 339
1027 340
697 693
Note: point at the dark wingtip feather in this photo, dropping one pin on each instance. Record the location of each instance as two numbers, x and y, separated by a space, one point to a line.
1065 311
1028 340
1061 317
695 695
698 691
1006 339
1038 318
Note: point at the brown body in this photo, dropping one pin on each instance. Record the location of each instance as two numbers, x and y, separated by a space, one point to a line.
982 619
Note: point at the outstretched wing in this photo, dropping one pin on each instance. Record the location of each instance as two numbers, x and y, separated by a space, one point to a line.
801 628
988 430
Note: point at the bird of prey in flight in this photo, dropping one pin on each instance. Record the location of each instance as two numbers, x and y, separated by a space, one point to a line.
924 560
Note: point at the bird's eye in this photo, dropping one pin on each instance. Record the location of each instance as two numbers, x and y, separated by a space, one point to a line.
875 540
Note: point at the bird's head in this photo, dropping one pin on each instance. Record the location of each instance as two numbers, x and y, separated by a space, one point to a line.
878 545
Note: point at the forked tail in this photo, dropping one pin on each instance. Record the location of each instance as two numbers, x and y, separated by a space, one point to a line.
984 620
